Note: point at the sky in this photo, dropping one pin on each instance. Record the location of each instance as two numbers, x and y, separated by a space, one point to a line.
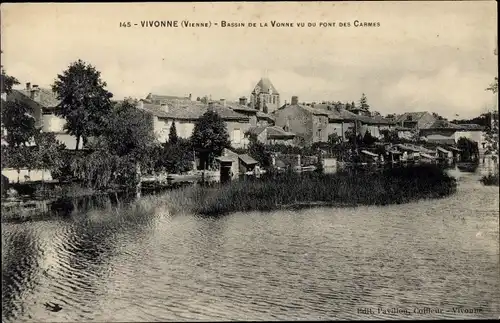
424 56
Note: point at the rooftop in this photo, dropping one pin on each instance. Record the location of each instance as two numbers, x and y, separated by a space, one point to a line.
47 98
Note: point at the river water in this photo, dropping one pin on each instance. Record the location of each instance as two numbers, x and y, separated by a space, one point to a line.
350 263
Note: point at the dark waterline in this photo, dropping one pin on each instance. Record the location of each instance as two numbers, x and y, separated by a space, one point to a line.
323 263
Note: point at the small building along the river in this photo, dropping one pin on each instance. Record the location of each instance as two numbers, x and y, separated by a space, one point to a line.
272 135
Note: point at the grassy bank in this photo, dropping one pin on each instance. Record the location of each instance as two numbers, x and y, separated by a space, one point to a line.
392 186
292 190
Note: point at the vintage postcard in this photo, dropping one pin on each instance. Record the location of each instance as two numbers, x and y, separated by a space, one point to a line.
249 161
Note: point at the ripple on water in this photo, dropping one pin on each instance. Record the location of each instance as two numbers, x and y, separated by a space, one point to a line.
315 264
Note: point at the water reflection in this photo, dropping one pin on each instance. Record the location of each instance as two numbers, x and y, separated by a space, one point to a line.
147 265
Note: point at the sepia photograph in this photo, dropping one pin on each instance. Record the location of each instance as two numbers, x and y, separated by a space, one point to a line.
249 161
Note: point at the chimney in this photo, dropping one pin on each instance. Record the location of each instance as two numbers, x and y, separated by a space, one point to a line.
295 100
35 93
243 100
223 102
28 86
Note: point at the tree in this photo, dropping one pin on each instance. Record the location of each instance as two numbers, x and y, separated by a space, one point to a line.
48 152
353 105
368 139
19 123
85 103
469 149
257 150
172 136
210 137
177 157
7 82
363 103
121 150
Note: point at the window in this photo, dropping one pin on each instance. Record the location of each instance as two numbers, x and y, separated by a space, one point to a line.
274 100
237 136
319 133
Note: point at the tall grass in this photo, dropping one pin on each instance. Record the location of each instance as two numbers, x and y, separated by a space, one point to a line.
392 186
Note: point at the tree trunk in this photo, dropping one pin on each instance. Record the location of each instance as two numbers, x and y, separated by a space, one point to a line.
138 186
77 142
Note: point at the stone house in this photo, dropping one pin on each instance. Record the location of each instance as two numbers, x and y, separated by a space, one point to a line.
45 103
272 135
416 120
185 115
307 123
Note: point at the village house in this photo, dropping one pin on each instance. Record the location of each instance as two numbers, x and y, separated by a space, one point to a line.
45 103
415 120
265 97
272 135
341 120
163 99
445 132
186 114
307 123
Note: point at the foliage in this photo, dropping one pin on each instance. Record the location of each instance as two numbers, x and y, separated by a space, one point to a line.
390 135
19 123
210 137
492 133
126 142
7 82
334 139
85 103
129 133
469 149
172 135
17 157
258 151
48 151
363 103
490 179
177 157
98 169
368 139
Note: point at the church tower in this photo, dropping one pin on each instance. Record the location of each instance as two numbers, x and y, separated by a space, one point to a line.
265 97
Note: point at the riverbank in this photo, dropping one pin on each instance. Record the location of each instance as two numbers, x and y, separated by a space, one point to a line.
275 191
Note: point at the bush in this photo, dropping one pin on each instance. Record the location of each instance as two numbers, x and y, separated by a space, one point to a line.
490 180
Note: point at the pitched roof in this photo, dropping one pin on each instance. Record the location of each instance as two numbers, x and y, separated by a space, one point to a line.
257 130
47 98
265 85
277 132
245 158
165 98
443 124
192 111
470 126
343 114
415 116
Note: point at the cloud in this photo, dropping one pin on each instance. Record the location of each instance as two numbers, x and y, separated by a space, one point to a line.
425 56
